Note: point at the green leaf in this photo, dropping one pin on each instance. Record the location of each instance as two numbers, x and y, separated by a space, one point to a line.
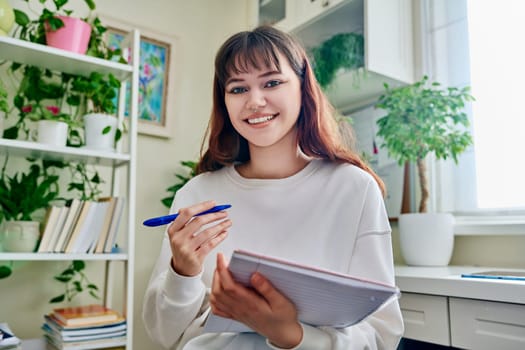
5 271
58 299
78 265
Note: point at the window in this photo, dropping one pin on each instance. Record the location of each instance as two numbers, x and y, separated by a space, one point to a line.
480 43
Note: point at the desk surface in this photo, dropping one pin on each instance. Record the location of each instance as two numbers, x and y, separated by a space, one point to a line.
447 281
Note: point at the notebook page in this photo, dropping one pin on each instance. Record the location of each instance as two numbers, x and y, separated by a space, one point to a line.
322 298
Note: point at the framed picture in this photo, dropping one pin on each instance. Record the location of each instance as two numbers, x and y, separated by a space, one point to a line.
156 77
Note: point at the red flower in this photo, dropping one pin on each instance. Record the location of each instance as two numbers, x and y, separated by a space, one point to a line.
53 109
27 109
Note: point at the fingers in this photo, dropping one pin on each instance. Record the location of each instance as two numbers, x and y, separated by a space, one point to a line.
265 288
193 237
186 214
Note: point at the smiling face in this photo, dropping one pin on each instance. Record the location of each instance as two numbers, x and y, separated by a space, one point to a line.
263 104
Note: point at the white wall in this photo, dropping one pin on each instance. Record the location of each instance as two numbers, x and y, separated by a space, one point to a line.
200 26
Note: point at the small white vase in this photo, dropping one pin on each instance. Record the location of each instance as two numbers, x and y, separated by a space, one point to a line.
427 239
94 125
52 132
20 236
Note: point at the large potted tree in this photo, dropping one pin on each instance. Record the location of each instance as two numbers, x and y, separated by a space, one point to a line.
421 119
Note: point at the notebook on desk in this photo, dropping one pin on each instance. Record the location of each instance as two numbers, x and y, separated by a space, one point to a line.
502 275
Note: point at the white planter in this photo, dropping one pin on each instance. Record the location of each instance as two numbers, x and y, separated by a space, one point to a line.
94 124
427 239
52 132
20 236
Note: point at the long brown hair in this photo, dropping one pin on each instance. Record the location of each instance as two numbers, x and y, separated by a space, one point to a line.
318 133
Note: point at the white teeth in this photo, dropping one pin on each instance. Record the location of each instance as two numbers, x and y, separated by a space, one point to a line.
260 119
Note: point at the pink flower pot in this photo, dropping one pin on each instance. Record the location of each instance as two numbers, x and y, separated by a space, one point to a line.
73 36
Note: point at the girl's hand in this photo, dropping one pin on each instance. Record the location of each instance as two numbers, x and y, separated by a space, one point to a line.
189 243
263 308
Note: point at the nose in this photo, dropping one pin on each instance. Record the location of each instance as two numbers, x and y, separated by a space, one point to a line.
256 100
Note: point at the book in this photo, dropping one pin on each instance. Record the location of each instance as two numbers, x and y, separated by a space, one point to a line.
62 215
85 315
51 221
75 207
81 229
115 224
109 216
54 322
108 343
103 328
322 297
94 227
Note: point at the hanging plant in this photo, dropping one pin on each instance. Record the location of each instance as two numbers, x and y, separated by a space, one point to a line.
341 51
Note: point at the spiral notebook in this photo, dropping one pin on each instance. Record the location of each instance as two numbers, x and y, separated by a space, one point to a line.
322 297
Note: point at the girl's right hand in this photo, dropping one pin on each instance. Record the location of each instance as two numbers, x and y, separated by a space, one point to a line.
189 243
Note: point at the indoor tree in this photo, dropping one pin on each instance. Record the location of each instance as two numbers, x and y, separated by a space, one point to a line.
424 118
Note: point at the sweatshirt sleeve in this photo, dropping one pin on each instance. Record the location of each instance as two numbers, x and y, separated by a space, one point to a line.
171 302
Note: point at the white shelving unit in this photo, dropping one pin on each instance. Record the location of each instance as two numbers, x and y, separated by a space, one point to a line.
122 162
387 27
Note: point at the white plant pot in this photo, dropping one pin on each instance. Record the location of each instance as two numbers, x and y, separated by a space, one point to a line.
20 236
52 132
427 239
94 124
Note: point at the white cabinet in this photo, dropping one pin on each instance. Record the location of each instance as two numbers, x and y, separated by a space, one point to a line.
474 324
441 307
121 164
387 26
486 325
425 317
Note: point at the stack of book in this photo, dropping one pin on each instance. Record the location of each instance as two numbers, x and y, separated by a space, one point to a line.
84 327
8 340
82 226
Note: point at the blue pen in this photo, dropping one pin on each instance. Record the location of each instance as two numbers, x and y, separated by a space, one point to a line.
163 220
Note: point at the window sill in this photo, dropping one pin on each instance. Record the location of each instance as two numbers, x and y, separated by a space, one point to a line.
490 225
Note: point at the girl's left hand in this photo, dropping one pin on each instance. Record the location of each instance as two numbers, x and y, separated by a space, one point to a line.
263 308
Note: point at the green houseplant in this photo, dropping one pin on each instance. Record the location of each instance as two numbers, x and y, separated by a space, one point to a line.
341 51
22 194
34 30
191 169
96 95
424 118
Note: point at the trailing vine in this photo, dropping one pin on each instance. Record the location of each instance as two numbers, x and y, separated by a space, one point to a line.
341 51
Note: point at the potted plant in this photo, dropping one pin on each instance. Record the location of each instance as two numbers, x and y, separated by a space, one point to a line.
96 94
21 196
341 51
423 119
53 20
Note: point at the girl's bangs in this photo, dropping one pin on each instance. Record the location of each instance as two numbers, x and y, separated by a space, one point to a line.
252 54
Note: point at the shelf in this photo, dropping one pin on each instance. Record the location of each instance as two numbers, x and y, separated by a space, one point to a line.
61 257
30 149
43 56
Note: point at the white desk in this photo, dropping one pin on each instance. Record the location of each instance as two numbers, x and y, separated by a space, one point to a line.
439 306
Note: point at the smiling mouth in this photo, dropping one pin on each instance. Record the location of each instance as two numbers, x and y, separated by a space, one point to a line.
259 120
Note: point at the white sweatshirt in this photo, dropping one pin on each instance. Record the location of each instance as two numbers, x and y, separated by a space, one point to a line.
327 215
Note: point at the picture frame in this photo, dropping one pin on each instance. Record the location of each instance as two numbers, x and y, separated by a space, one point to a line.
156 77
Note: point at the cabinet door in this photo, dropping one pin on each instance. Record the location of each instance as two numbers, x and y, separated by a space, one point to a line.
487 325
306 10
389 39
425 318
